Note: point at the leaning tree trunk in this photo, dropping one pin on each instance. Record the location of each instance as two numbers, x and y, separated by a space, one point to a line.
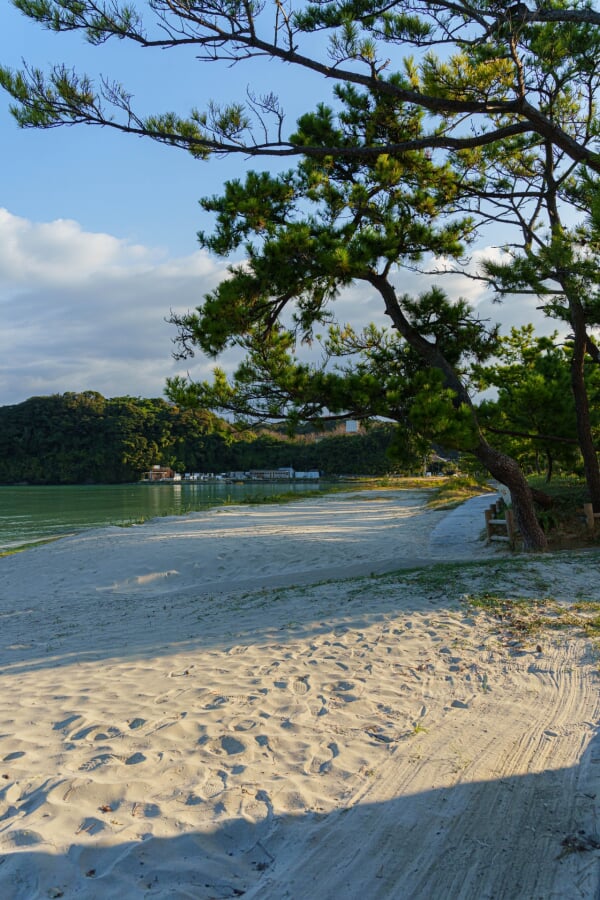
502 467
507 471
582 405
572 290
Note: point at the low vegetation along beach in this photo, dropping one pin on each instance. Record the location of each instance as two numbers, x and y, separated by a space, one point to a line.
348 696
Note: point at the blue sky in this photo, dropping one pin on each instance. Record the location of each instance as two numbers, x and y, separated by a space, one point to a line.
104 180
98 230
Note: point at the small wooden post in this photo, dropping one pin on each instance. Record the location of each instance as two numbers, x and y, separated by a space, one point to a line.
510 526
588 511
489 513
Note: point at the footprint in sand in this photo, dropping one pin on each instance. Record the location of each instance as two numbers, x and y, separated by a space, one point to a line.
145 810
135 759
244 725
217 702
65 723
136 723
346 691
256 807
103 759
12 756
105 734
21 838
321 762
91 825
94 732
214 785
226 745
266 669
318 707
300 686
97 761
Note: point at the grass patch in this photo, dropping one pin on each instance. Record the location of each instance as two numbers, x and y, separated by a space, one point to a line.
451 492
447 491
283 497
564 523
566 492
528 617
22 547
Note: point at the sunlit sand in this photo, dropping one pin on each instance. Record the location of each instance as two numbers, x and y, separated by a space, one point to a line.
293 701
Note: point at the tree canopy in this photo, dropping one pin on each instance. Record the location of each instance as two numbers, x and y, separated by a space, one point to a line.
533 415
307 234
480 73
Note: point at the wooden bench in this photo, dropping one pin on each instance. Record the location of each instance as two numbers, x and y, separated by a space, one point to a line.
500 524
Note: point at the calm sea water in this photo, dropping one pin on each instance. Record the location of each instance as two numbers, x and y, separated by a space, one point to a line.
33 513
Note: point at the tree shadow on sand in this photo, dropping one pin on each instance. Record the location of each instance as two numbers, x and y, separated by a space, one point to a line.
527 836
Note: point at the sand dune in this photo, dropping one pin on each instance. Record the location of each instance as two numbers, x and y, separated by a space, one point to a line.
232 704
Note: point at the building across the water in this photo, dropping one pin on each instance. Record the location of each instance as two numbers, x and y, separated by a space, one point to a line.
160 473
284 473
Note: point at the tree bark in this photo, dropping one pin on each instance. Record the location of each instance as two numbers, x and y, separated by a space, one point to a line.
582 406
502 467
572 288
507 471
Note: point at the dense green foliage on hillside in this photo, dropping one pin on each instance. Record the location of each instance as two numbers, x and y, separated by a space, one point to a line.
365 453
84 438
78 438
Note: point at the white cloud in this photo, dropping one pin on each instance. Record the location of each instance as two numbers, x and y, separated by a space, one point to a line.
60 253
511 311
84 311
361 304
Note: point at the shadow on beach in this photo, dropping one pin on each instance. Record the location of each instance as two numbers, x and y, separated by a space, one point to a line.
527 836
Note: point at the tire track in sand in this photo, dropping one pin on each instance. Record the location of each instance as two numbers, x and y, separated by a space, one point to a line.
477 812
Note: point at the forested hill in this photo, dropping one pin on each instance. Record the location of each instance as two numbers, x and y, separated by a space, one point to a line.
85 438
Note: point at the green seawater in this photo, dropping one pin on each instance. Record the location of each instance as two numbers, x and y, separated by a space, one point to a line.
29 514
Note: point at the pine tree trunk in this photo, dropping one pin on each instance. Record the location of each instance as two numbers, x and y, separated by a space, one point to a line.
572 289
502 467
582 406
507 471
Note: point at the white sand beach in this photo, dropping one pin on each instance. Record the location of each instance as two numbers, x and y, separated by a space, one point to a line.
296 701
